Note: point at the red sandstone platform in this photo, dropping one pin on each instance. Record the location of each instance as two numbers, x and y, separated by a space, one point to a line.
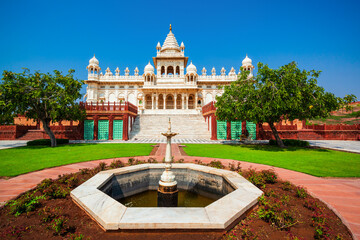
342 195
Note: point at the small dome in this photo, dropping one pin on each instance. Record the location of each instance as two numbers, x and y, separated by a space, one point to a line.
94 61
182 45
247 61
191 68
149 68
158 46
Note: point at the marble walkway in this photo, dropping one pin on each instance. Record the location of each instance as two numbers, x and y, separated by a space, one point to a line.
342 195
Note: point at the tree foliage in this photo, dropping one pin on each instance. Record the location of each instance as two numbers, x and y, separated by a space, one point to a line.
45 97
276 94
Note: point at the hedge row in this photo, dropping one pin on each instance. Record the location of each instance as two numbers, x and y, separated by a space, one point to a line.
291 143
46 142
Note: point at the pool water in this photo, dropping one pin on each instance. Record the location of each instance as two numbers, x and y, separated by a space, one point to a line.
149 199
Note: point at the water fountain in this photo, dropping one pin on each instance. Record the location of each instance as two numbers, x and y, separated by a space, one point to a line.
132 197
168 192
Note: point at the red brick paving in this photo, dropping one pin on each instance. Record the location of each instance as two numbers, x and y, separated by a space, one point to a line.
341 195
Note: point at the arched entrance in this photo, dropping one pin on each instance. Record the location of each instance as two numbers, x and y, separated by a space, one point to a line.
161 102
178 102
148 102
169 102
191 102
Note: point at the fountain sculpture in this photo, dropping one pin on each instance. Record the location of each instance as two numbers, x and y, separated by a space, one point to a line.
125 198
167 191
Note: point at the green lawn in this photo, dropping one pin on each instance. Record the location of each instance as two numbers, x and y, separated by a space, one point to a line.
317 162
21 160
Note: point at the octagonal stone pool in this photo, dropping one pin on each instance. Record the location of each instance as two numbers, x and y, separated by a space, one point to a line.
221 197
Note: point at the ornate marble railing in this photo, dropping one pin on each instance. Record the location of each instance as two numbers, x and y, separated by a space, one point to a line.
109 106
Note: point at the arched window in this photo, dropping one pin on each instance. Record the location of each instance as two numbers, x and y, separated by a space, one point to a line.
177 70
169 102
161 102
191 102
148 102
162 70
170 70
178 101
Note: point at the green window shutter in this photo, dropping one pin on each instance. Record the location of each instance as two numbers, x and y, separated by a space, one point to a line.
117 129
88 129
221 130
235 129
251 128
103 130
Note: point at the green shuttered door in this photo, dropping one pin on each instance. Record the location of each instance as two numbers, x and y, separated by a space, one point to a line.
117 129
103 133
251 128
235 130
221 129
89 129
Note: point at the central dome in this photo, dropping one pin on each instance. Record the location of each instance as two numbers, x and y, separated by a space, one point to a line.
170 42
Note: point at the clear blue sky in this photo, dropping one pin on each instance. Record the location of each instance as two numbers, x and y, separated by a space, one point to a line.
320 35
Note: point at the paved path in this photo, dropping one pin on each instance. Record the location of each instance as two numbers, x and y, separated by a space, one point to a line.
342 195
349 146
12 143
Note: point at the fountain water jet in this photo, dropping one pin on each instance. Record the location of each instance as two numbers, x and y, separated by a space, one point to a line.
167 191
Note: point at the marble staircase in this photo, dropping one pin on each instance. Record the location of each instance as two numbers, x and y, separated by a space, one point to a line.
189 126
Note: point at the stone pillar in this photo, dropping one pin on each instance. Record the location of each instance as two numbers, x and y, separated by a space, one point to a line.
175 97
143 100
164 98
157 101
96 127
125 127
196 100
152 102
182 103
228 130
111 127
213 127
186 102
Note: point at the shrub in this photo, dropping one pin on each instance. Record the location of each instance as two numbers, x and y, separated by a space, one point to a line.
116 164
301 192
59 224
152 160
287 186
233 168
46 142
56 191
26 203
216 164
269 176
75 236
291 143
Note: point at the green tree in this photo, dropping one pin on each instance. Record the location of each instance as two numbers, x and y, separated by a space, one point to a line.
347 100
45 97
276 94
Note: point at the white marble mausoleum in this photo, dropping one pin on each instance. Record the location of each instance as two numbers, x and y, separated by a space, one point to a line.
172 86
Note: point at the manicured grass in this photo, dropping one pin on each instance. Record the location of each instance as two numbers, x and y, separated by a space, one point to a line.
317 162
21 160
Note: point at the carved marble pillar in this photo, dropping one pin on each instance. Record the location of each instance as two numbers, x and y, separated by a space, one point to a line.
196 100
157 101
152 102
175 97
164 98
182 103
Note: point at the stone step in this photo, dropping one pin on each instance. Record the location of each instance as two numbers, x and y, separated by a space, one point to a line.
150 126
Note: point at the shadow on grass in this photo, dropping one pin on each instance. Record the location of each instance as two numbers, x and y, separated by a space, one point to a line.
271 148
57 147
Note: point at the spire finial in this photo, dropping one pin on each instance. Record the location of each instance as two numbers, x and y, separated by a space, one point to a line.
170 27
